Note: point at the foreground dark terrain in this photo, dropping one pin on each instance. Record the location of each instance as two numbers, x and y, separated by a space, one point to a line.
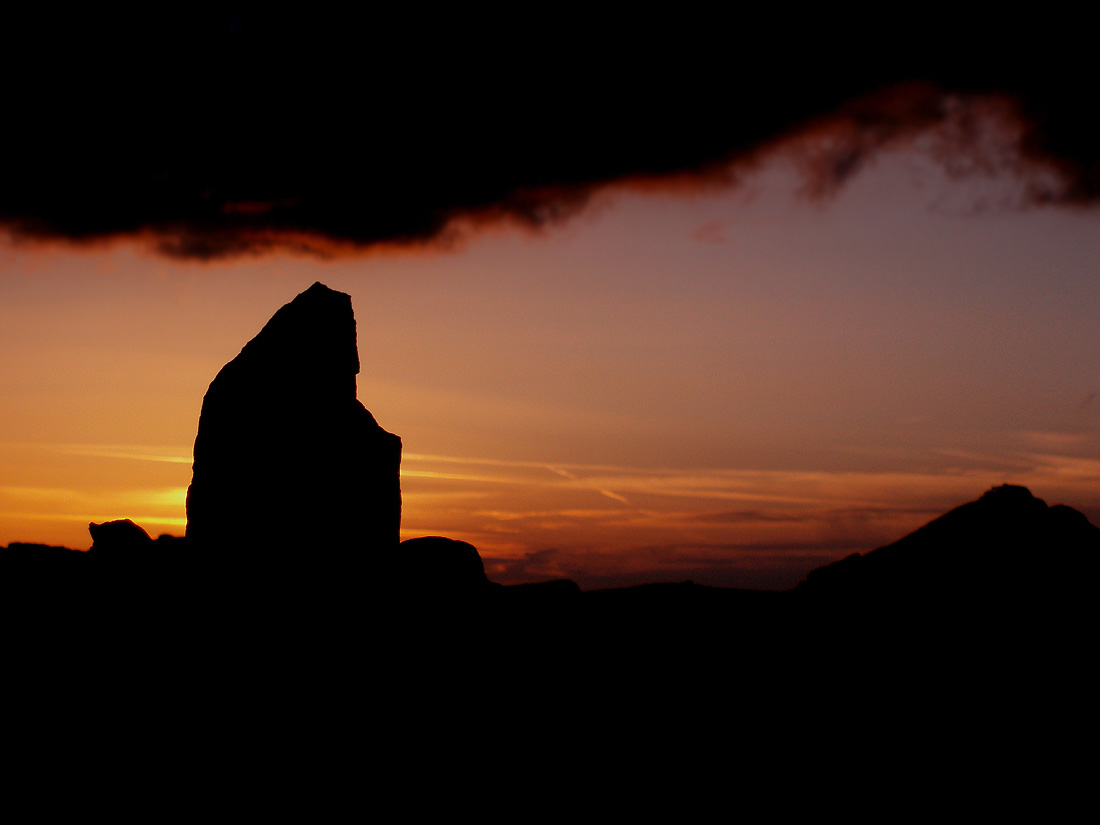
1005 571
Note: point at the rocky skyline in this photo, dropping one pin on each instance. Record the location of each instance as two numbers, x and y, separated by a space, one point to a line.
295 485
725 318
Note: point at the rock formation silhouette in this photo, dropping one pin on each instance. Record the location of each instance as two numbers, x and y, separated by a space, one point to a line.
119 538
441 565
289 465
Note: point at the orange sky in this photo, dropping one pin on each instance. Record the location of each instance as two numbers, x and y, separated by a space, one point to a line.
734 386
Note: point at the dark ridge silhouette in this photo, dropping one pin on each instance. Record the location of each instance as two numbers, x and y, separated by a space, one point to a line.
1008 548
289 465
19 552
992 604
1005 560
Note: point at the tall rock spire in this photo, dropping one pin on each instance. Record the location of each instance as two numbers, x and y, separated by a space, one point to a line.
288 463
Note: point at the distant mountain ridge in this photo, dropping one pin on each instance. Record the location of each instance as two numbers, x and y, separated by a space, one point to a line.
1005 543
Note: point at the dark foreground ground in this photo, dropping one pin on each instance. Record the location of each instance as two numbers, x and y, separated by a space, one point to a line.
937 676
665 701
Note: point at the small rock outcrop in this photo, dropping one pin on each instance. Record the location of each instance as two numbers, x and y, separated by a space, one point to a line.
288 463
438 564
119 538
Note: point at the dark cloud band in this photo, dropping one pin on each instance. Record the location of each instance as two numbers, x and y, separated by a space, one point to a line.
228 134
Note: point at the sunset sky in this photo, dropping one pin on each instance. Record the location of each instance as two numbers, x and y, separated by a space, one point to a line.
732 377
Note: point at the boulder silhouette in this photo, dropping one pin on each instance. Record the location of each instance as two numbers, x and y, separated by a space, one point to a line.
119 539
288 463
440 564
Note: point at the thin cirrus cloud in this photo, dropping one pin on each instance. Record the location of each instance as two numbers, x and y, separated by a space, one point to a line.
126 452
675 523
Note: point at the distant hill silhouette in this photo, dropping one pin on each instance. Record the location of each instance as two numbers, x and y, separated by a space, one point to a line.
1007 554
1008 546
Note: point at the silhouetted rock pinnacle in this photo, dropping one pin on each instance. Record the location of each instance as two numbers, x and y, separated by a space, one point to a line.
287 460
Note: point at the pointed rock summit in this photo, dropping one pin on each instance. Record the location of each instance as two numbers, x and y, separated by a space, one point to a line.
288 462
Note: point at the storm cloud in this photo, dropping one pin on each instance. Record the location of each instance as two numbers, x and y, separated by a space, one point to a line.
220 135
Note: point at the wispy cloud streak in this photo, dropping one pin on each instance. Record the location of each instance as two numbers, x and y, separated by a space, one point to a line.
671 519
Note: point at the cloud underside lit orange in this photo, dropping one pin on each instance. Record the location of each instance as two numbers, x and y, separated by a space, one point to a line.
348 206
